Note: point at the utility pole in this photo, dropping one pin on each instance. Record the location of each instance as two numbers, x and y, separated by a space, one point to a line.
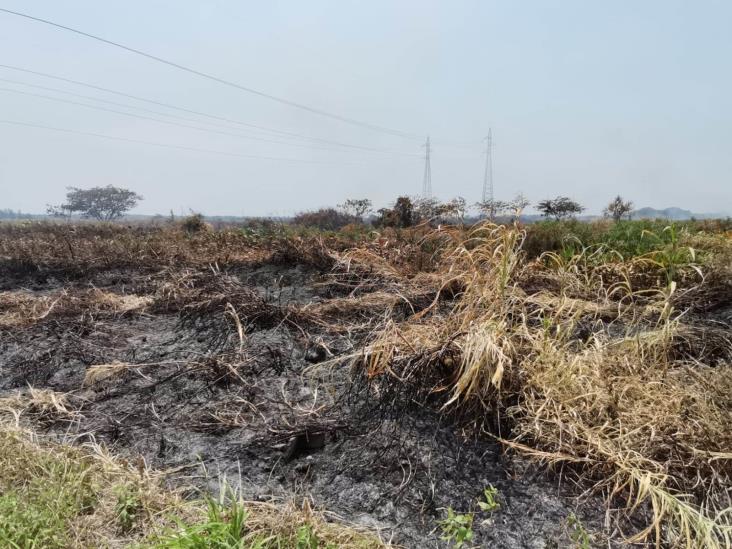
488 175
427 181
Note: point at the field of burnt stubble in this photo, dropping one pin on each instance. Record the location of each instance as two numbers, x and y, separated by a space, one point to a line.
415 387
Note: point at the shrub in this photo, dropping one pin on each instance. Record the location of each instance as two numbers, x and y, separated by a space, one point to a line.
327 219
194 223
402 215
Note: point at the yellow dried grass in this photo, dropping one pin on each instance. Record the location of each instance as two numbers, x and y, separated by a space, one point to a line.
632 419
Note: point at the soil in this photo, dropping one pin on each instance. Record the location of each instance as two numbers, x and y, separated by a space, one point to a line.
270 416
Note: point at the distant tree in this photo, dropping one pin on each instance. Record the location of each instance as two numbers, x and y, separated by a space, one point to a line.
426 209
58 211
618 208
385 217
559 207
357 207
402 214
101 203
519 204
492 208
404 210
455 209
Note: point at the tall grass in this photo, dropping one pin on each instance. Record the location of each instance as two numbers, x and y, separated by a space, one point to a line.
580 357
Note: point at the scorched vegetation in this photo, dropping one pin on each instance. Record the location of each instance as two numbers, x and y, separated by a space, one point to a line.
404 378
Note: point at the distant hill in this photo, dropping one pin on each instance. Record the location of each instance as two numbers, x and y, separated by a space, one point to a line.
673 214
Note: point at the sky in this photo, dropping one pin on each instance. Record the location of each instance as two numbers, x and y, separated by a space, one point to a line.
583 99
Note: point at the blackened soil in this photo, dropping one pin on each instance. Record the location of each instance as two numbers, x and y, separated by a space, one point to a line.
265 414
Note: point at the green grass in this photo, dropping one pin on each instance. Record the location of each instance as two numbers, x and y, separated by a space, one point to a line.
227 526
54 496
41 495
630 239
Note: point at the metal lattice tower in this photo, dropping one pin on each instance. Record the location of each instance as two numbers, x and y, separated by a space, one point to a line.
427 181
488 175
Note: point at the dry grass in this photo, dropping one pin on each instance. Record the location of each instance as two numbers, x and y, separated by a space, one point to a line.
22 308
41 405
586 374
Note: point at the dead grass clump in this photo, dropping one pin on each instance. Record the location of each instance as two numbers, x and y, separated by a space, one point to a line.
298 250
23 308
39 405
601 377
292 523
100 372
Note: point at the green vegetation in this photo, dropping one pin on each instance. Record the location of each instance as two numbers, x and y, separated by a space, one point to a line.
42 493
614 240
457 529
577 533
490 500
55 496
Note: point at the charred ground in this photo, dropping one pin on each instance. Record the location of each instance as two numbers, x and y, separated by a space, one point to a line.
297 365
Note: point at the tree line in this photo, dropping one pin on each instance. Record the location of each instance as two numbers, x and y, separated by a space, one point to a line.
111 203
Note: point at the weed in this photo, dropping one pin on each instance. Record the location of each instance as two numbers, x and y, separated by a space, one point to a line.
224 528
28 524
457 528
577 532
490 496
127 508
306 538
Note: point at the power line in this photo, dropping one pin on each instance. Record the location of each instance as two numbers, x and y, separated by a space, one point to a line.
229 83
143 117
127 106
189 111
169 146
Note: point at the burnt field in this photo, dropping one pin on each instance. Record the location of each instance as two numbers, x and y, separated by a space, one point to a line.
386 377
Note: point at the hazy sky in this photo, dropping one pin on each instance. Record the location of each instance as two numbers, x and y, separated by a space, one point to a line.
586 99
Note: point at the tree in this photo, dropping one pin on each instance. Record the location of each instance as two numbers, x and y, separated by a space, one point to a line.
101 203
492 208
618 208
519 204
357 207
404 210
426 209
559 207
401 215
58 211
455 209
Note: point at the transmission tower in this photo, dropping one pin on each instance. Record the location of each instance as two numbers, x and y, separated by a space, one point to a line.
427 182
488 175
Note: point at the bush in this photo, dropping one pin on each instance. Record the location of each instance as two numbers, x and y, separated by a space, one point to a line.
327 219
402 215
194 223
